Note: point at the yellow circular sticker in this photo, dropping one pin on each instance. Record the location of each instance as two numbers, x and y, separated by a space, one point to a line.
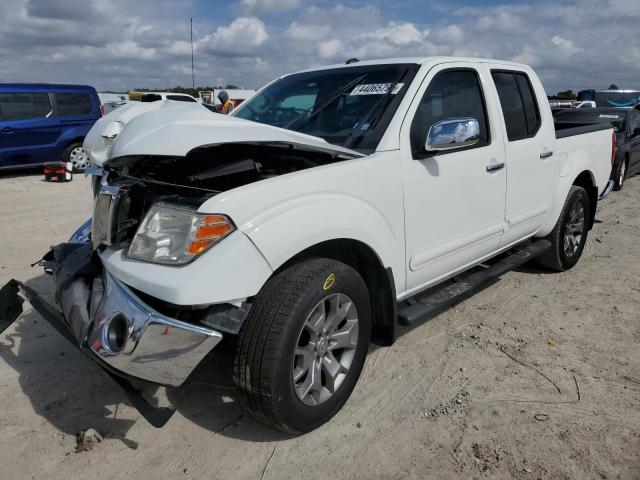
330 280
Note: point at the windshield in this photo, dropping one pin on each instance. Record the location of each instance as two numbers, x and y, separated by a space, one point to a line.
349 106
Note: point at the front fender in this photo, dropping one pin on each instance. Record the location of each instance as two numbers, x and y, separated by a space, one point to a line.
226 273
284 230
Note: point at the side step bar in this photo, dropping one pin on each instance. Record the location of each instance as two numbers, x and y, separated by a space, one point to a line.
419 308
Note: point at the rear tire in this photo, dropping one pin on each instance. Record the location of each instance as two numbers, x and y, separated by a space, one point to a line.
277 341
619 173
569 236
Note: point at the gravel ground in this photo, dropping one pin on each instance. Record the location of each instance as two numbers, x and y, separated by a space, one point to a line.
537 376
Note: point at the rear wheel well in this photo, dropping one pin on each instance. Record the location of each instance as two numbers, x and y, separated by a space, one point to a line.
585 180
72 141
379 280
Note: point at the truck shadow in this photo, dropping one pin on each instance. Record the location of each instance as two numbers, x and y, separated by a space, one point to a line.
73 394
21 172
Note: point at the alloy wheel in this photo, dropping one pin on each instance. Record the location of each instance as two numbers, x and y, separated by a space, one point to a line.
574 228
325 349
79 158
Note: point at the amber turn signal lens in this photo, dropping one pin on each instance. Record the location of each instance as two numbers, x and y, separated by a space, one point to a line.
213 231
198 246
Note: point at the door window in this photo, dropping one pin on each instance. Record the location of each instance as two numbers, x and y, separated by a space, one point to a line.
519 104
24 106
451 94
73 104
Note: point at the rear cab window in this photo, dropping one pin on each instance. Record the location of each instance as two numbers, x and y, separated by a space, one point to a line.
68 104
24 106
518 102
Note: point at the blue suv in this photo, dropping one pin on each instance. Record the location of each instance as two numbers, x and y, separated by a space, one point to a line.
45 123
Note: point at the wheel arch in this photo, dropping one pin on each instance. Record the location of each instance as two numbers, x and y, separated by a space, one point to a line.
70 141
583 177
379 280
587 181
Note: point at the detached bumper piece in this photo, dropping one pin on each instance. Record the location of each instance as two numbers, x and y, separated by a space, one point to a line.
112 326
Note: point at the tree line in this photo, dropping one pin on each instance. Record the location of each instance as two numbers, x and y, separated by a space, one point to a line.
571 95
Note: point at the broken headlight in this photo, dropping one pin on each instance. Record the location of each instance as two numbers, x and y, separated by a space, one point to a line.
174 236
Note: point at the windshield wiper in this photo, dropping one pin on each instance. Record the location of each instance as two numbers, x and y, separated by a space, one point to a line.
326 103
356 135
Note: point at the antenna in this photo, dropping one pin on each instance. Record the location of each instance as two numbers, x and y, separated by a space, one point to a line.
193 77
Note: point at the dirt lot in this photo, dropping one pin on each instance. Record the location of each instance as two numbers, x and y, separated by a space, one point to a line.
538 376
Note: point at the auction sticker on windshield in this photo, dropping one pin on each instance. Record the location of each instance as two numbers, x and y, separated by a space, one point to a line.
376 89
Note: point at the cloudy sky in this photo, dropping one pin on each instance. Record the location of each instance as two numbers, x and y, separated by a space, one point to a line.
123 44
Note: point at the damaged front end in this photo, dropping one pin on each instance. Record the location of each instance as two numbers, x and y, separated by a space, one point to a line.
154 327
112 326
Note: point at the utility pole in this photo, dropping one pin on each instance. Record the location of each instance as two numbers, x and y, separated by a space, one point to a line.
193 77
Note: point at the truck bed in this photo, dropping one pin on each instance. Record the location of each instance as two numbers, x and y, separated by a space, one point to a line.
564 130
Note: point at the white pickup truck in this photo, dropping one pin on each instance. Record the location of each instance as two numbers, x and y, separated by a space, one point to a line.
333 206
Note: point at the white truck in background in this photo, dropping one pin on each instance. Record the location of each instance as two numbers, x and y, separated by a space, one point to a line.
317 218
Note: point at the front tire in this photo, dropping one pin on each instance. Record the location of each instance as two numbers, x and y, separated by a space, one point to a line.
569 236
302 348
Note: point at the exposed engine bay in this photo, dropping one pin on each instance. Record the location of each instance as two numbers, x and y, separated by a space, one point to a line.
189 181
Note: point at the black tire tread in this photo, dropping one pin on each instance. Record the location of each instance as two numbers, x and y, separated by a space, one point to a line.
259 339
616 174
551 258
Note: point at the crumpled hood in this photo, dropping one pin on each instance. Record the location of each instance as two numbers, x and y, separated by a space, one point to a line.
114 122
177 130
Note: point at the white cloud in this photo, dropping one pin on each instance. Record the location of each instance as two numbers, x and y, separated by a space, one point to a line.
398 34
130 49
331 49
241 37
568 46
305 32
266 6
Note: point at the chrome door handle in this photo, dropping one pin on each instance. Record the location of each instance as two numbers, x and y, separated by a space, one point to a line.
494 167
544 155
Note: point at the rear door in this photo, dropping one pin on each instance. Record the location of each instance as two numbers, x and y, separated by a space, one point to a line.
454 199
28 131
529 140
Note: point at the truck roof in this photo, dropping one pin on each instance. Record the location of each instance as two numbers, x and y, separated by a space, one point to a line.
416 60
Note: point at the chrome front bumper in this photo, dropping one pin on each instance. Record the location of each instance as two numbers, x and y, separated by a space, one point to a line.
146 345
152 346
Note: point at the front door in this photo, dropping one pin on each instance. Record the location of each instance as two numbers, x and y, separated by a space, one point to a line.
454 199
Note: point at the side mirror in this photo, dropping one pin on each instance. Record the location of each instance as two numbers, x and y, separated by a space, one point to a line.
452 133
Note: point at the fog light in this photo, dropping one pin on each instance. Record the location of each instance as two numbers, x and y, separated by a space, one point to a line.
115 333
